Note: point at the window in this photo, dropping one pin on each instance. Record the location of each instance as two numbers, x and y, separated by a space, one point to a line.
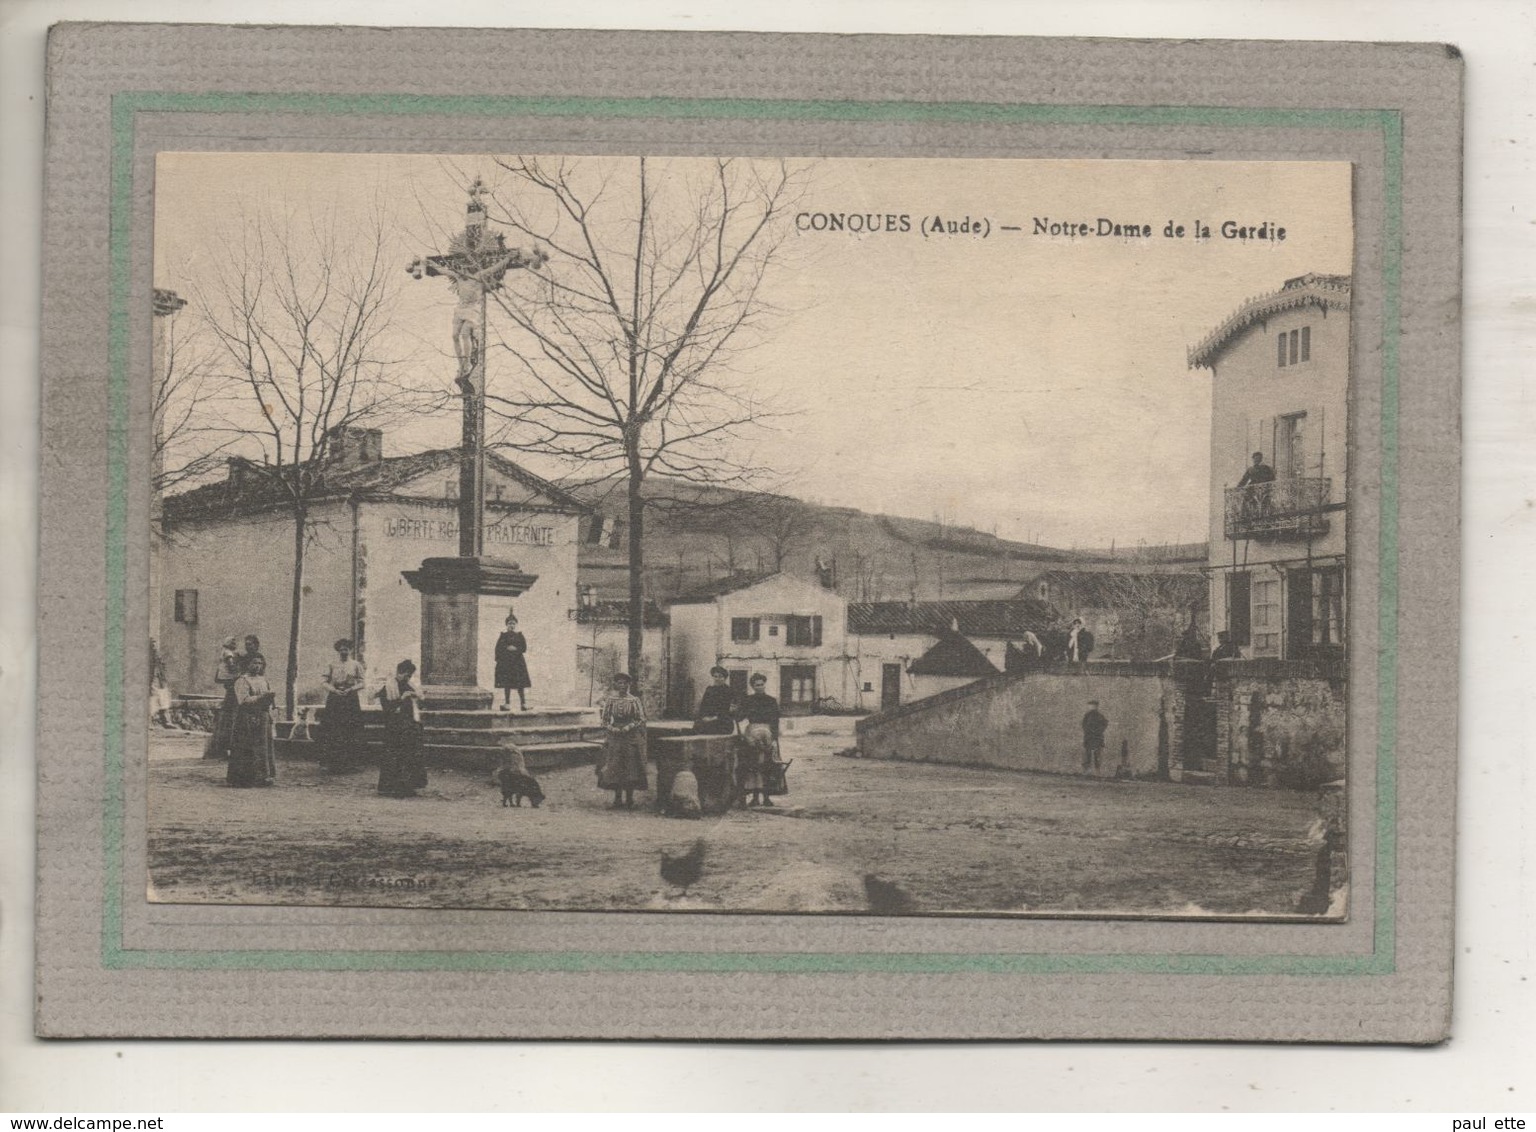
1290 446
1293 347
450 489
186 607
1266 616
746 628
1328 608
595 531
616 536
802 631
1239 608
797 686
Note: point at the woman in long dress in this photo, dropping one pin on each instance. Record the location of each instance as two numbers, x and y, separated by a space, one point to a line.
228 671
341 728
512 666
717 709
760 712
250 757
402 770
623 767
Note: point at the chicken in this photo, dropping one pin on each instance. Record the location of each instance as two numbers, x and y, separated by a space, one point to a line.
886 898
685 869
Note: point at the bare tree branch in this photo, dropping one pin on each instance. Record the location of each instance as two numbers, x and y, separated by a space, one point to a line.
297 318
627 345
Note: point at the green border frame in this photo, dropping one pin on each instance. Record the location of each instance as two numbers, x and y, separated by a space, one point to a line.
125 105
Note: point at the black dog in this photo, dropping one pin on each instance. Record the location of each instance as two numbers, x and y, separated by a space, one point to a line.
515 787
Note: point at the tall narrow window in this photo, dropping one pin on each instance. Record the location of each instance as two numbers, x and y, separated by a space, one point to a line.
1266 616
1295 345
1306 343
1328 607
1280 345
595 531
1239 609
1290 450
616 536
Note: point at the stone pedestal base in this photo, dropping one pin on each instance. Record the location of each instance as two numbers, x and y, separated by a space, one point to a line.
450 591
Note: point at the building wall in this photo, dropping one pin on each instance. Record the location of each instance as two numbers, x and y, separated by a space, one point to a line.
872 651
398 534
602 650
1029 722
242 570
1280 726
701 638
1249 390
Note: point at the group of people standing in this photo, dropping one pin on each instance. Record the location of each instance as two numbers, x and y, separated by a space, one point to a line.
242 730
755 719
402 766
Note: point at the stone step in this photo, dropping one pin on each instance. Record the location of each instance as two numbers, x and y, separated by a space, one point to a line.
511 720
533 736
538 757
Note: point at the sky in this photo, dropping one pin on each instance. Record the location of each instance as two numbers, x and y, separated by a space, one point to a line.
1032 383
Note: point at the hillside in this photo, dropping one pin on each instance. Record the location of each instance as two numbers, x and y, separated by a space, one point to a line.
697 534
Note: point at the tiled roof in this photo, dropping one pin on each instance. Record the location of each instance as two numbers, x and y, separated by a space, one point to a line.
253 491
617 613
708 591
1325 291
1093 589
953 655
975 618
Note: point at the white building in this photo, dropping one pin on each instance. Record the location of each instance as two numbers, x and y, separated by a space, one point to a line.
1280 376
227 566
792 631
889 637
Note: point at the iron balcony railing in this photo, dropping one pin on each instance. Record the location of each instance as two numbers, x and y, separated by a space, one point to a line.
1295 507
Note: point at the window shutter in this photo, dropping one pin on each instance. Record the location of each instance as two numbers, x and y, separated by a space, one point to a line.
1239 612
1280 350
816 629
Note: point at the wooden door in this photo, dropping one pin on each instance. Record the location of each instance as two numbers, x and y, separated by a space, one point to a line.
890 686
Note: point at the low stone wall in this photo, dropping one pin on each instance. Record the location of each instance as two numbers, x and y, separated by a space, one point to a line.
1030 721
1259 723
1280 724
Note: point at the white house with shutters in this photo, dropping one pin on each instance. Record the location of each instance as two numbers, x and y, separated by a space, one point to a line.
1279 387
793 631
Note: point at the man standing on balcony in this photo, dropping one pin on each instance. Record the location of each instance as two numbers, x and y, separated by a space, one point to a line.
1256 501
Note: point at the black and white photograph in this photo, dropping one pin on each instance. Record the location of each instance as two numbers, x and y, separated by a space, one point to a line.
897 537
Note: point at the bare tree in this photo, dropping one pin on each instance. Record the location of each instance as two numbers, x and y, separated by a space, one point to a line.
627 340
189 438
301 318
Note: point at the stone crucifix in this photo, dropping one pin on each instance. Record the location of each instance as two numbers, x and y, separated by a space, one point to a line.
476 262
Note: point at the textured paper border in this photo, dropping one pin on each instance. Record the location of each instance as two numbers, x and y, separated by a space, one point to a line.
114 966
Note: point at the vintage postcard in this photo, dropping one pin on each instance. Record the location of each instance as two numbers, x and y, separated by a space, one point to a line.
943 560
932 533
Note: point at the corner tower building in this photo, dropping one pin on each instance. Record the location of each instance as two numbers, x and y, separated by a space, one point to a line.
1279 423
